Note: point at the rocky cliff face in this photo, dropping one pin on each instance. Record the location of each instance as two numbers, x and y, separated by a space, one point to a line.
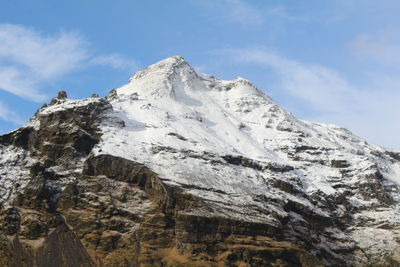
178 168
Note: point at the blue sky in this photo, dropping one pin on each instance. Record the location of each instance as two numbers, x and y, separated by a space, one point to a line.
329 61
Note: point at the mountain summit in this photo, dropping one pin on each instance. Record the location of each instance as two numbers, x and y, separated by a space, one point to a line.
175 78
179 168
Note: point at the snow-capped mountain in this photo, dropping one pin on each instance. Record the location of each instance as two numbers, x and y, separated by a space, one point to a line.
178 167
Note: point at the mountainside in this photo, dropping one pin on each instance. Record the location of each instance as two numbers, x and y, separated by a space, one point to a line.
179 168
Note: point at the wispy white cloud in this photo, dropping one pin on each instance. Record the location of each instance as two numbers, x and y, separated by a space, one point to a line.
29 59
115 61
245 13
370 112
382 47
322 87
45 56
8 115
236 11
280 11
242 12
21 82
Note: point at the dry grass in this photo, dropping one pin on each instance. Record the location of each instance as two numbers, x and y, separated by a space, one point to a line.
172 257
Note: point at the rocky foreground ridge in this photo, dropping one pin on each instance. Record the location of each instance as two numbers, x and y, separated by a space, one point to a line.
179 168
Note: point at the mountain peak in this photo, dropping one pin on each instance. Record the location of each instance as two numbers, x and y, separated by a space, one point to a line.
165 66
160 80
171 61
174 78
169 64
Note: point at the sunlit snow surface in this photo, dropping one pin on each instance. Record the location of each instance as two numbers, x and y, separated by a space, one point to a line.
171 112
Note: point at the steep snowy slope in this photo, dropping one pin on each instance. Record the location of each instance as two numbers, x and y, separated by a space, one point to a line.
241 156
186 126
